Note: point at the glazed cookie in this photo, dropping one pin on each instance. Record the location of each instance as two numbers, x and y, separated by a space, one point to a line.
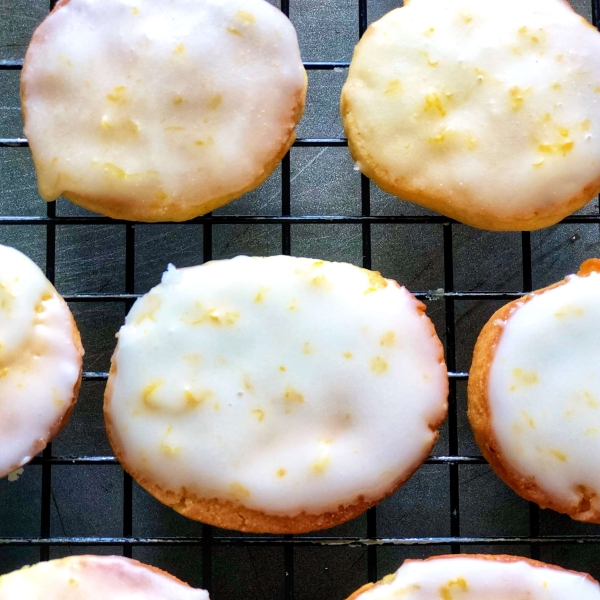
95 578
158 110
275 394
40 361
472 577
486 112
534 394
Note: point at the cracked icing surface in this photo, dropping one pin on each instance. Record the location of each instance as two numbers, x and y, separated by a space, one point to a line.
279 384
40 360
480 576
484 112
130 111
544 390
95 578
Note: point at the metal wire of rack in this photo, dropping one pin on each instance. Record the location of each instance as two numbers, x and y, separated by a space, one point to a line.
207 541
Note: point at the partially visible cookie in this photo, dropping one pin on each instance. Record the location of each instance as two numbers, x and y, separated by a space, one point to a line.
40 360
486 112
95 578
275 394
480 576
158 110
534 394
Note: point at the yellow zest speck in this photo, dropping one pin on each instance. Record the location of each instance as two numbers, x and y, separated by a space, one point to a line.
4 372
428 32
234 31
393 87
199 143
516 97
260 295
556 86
538 163
258 414
281 473
528 419
166 448
523 30
293 305
525 377
433 104
239 491
559 57
292 398
216 407
177 99
430 61
590 400
118 95
215 102
322 282
472 143
563 148
114 171
569 310
446 592
585 125
147 393
248 385
561 456
135 10
376 282
348 355
179 49
193 400
387 339
66 60
466 17
247 17
73 583
282 369
378 365
323 457
307 348
592 431
597 90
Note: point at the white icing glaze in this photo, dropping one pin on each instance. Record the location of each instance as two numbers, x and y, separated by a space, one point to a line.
544 389
286 384
491 105
94 578
39 361
471 578
160 101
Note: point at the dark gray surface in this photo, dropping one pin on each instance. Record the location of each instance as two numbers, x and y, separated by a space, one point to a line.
87 500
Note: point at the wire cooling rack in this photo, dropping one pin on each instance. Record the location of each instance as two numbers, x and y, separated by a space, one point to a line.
208 540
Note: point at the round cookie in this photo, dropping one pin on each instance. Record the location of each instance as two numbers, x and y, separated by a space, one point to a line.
40 361
477 576
275 394
484 112
95 578
534 394
160 110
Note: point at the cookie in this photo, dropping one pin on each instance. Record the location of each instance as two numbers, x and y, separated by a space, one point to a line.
95 578
476 576
275 394
40 361
158 110
485 112
534 394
